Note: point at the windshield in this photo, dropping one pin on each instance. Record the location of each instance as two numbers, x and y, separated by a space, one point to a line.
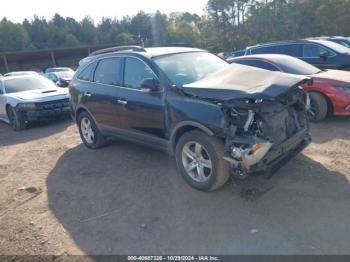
187 68
58 69
295 66
334 46
15 85
342 41
65 74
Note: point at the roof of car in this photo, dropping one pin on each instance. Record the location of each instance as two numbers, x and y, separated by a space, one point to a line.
320 41
153 51
20 76
262 56
159 51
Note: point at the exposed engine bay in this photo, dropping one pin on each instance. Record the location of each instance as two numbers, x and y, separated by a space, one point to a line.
255 126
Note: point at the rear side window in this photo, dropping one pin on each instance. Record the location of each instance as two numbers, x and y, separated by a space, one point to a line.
289 49
108 71
264 50
88 73
258 64
135 72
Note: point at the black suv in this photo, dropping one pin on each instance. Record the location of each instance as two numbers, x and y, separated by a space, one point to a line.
217 119
323 54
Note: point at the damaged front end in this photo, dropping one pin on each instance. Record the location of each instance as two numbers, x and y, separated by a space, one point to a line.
260 133
265 115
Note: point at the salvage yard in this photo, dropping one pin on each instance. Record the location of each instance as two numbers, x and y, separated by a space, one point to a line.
57 197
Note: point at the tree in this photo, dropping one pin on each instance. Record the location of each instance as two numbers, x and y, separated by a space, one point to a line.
13 36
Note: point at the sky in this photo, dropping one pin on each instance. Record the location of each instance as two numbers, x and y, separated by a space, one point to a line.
17 10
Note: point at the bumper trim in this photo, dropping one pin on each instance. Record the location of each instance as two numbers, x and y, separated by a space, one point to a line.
33 115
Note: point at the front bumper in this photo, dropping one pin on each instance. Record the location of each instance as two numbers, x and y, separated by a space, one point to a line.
33 115
285 151
273 158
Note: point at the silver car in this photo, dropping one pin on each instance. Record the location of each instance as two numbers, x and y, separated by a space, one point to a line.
30 98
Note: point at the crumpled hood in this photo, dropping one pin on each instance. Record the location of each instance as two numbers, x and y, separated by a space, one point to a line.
39 94
338 75
240 81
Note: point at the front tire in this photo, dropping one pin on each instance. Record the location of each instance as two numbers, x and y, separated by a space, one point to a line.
200 160
16 119
318 107
89 133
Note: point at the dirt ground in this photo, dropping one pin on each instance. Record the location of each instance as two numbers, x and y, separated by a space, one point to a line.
57 197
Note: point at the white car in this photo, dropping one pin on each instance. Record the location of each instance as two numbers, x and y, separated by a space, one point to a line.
30 98
21 73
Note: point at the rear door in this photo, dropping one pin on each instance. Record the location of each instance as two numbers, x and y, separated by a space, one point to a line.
141 112
101 92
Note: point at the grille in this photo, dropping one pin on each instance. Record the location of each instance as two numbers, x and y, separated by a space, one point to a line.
53 104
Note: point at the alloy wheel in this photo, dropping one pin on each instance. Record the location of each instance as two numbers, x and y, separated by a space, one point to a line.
87 130
197 162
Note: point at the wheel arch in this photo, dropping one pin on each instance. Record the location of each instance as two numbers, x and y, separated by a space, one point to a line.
330 105
184 127
81 109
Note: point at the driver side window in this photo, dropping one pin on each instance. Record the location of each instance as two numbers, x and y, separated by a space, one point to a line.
313 51
135 72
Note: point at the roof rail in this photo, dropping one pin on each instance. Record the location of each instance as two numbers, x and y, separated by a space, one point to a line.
118 49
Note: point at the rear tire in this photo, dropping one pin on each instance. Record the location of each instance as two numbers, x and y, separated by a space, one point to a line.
200 160
319 107
16 119
89 133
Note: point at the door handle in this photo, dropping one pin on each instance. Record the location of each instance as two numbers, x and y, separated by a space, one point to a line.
87 94
122 102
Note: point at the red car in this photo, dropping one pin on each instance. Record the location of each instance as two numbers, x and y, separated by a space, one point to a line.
329 93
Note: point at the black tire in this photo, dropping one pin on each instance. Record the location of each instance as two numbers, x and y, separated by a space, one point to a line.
16 119
319 107
215 149
98 140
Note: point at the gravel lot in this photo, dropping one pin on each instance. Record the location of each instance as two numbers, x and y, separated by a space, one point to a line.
58 197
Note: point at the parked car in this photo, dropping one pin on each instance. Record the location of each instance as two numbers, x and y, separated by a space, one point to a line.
216 119
329 91
60 78
30 98
320 53
336 39
58 69
236 54
21 73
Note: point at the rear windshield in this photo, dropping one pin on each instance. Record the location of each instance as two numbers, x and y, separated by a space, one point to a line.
65 74
26 84
295 66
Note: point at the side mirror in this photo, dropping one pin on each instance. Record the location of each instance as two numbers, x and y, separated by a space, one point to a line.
150 84
324 55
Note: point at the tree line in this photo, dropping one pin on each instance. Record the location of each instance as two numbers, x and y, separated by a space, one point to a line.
225 26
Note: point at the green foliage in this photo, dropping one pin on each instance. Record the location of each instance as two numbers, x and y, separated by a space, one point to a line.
227 25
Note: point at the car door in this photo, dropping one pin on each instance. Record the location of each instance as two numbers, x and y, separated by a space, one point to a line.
100 92
2 102
313 54
141 113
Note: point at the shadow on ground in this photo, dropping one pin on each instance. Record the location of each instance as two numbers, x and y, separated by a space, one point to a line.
127 199
33 132
335 127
